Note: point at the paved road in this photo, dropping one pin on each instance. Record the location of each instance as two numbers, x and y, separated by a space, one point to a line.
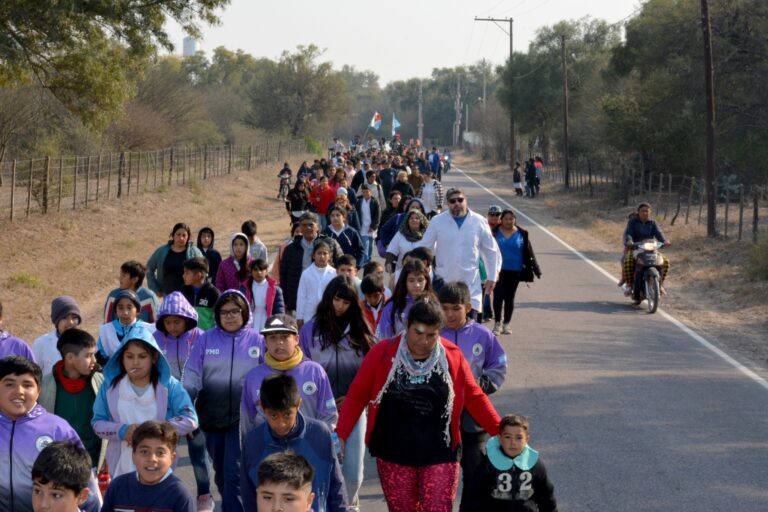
629 412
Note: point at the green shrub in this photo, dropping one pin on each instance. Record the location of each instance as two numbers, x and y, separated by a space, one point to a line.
757 259
25 279
314 146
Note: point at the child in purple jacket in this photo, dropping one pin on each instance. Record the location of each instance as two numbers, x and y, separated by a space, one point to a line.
285 356
11 345
486 358
214 378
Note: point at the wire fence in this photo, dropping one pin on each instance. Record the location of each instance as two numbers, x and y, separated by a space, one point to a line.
44 185
742 209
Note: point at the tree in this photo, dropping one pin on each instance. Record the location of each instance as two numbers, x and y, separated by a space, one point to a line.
89 54
298 95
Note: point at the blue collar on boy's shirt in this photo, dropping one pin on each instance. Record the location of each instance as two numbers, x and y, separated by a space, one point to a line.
121 329
525 460
460 220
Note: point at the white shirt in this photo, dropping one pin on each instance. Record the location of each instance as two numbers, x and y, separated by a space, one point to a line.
428 197
45 351
458 251
399 246
365 216
311 287
259 298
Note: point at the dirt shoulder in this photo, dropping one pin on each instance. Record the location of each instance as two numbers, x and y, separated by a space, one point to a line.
708 288
79 253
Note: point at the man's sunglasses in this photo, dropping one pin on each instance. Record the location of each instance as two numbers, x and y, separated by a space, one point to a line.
456 200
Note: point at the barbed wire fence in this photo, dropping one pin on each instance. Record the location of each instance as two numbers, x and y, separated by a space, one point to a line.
48 184
742 209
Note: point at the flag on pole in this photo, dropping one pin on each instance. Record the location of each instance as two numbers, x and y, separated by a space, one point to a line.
395 124
376 121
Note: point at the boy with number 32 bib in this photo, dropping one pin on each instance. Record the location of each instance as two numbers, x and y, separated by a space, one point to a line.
512 477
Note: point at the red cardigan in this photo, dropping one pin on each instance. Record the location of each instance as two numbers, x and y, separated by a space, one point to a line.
373 373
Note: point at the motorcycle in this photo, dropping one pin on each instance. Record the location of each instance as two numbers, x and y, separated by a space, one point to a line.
646 284
285 185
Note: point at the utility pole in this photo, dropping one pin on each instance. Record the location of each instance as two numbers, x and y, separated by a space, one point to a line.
567 174
484 104
457 109
512 145
709 82
421 117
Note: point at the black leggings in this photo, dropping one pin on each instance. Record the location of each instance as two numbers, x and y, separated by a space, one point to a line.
504 292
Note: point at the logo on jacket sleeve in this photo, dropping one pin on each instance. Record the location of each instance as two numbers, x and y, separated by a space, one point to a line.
42 441
254 352
309 388
477 349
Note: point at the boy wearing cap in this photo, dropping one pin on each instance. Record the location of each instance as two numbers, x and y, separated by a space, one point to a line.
284 355
65 314
112 334
11 345
494 220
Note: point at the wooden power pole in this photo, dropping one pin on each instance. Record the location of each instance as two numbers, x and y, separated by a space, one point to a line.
709 83
567 175
512 143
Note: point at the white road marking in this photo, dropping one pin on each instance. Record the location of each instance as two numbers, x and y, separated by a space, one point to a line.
680 325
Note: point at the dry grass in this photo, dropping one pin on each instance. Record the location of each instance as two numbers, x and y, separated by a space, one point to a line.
79 253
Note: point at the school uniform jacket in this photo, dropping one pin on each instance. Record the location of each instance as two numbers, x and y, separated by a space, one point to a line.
486 358
216 370
172 401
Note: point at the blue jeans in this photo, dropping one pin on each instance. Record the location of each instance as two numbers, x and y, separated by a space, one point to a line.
199 461
354 453
224 449
367 248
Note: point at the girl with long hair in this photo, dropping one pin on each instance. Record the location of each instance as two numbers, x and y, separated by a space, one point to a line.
338 337
414 283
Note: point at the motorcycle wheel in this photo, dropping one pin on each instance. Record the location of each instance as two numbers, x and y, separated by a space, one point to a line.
652 293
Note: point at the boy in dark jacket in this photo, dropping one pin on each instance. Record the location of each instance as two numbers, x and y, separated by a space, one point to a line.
511 477
287 429
199 291
205 239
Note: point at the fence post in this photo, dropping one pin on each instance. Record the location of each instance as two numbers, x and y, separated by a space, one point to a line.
46 183
250 154
120 165
130 169
74 184
755 211
727 206
741 209
701 204
13 186
690 198
205 162
61 180
98 178
87 180
138 175
589 169
29 188
170 167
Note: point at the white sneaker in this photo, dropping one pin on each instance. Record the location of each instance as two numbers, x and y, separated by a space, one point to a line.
205 503
506 329
496 328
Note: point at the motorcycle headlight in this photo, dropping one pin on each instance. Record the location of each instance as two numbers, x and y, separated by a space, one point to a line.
649 246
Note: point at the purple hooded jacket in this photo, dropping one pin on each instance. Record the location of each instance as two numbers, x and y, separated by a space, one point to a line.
386 329
486 358
12 346
317 400
216 370
177 350
20 443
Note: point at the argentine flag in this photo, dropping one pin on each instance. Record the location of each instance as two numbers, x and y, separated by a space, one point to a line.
376 121
395 124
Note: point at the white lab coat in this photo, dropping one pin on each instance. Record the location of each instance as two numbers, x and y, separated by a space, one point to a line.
458 251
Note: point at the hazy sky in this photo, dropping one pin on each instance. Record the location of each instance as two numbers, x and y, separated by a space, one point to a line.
396 39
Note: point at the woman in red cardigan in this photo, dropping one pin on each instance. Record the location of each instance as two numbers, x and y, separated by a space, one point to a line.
415 386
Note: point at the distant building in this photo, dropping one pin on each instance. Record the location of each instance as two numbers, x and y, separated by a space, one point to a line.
190 47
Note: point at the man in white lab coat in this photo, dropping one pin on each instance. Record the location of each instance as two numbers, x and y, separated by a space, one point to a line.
459 238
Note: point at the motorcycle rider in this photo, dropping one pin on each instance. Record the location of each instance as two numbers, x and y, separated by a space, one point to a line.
641 227
285 181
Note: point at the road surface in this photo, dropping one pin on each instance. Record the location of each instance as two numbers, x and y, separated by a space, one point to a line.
629 411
